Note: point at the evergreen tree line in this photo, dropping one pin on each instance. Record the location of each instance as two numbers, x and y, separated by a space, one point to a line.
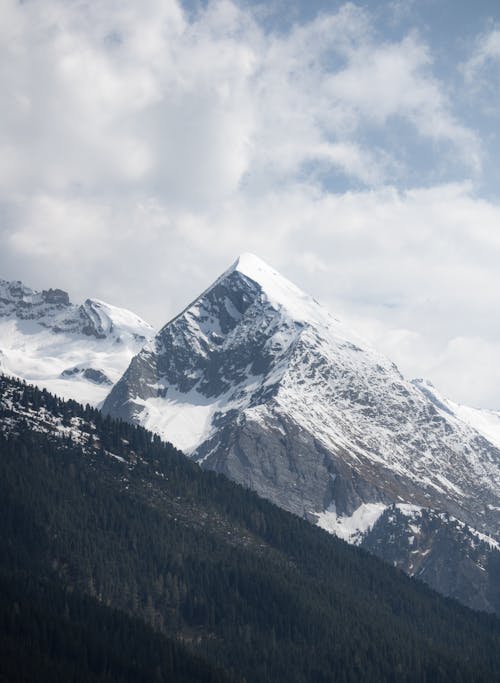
246 586
51 635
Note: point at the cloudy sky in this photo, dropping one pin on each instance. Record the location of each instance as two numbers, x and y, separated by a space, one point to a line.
353 146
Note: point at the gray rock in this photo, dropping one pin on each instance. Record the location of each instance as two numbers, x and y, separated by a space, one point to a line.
268 388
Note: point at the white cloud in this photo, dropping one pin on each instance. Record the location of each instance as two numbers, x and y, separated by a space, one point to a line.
486 52
141 149
119 96
384 81
478 377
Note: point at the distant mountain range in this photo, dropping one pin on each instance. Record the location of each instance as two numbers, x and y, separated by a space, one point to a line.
75 351
256 380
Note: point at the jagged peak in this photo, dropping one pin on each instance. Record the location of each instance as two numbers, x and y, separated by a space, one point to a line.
285 296
291 303
280 291
16 291
276 288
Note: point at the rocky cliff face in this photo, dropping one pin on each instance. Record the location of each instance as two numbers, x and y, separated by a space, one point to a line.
440 550
256 380
76 351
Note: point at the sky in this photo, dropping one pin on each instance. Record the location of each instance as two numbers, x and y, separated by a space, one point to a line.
355 147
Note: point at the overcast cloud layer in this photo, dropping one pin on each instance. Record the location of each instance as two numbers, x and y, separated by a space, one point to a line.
143 146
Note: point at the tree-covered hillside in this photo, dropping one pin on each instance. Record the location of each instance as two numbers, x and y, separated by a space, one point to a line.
103 509
50 634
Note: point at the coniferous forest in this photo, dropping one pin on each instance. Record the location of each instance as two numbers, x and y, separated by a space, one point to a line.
123 561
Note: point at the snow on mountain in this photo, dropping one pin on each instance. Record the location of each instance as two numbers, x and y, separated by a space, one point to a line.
263 316
351 528
255 379
255 354
439 549
74 351
486 422
356 528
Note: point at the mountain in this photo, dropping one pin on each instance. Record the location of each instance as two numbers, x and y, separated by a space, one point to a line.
103 525
75 351
256 380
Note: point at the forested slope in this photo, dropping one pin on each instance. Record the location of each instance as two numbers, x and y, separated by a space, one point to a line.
104 509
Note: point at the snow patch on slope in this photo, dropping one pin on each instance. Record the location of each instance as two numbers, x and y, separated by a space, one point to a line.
351 528
186 416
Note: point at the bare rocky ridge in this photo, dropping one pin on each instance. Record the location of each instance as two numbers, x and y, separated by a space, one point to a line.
256 380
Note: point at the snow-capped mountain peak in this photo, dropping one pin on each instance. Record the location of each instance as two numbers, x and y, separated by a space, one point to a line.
277 288
252 298
75 351
256 379
290 300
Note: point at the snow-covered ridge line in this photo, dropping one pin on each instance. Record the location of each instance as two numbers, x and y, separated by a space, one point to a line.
75 351
486 422
353 528
291 300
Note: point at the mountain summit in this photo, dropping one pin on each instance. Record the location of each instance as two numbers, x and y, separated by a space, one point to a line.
255 379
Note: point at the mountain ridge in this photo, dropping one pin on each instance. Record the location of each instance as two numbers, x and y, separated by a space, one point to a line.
258 381
77 351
